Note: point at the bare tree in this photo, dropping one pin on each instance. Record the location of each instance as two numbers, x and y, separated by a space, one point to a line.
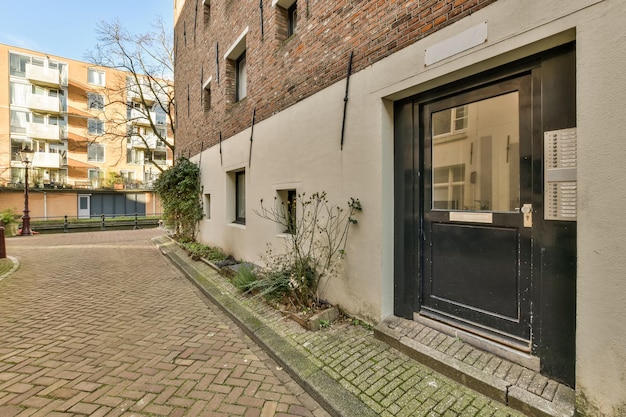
140 103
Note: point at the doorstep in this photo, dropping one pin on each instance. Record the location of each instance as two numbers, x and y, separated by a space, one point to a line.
496 376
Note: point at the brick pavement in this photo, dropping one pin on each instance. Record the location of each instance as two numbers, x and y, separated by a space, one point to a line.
100 324
344 366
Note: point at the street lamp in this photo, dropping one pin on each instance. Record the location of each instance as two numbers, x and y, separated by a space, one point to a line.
26 155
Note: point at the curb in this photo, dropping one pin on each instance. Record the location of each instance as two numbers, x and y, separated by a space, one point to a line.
16 264
329 393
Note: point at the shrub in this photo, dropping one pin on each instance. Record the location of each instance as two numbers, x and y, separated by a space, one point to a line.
179 189
8 220
319 235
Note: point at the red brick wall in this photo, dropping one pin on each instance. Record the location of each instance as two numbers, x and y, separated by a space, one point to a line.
283 71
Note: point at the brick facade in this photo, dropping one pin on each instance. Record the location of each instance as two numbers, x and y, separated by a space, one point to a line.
282 71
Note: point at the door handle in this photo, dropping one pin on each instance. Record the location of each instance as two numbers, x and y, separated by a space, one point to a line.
527 211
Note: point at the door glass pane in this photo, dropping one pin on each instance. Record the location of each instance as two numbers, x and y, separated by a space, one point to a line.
476 156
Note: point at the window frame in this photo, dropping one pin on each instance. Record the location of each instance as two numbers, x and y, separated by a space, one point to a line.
99 130
453 120
240 196
292 19
100 152
95 98
241 77
100 80
206 95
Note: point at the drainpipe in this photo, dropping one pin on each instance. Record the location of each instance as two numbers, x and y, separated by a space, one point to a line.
45 205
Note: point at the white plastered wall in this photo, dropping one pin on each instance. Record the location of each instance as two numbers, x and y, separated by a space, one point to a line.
300 148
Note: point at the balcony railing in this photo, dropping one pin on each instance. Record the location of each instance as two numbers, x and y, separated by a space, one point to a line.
39 75
138 117
152 141
44 132
44 104
47 160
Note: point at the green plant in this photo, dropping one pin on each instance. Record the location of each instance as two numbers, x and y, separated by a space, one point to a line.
113 178
319 234
244 279
324 324
199 250
8 220
179 190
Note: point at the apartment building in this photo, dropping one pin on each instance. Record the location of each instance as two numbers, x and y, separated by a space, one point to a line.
482 137
90 127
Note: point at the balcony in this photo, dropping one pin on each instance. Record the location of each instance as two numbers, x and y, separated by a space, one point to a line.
45 76
47 160
152 141
39 131
44 104
138 117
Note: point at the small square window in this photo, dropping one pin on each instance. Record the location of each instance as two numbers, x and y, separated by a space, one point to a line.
95 127
95 101
95 152
95 77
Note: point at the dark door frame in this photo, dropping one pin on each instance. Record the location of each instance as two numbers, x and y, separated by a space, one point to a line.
553 295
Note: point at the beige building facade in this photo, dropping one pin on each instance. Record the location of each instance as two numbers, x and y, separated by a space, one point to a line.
485 147
87 126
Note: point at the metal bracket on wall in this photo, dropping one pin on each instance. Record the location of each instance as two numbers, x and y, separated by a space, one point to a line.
345 99
261 11
251 135
221 160
217 62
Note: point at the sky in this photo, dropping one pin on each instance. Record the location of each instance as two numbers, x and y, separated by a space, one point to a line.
67 28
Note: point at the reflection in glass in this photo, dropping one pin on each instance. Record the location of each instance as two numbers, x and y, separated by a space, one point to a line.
475 165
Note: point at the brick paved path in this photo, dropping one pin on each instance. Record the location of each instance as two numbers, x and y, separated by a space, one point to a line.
100 324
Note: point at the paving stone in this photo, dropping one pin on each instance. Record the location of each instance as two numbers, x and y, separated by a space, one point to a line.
97 335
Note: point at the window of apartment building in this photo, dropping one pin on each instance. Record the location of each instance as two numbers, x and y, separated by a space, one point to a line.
159 157
286 17
95 127
95 101
161 133
95 152
207 206
19 120
240 197
19 94
237 67
448 187
450 121
17 64
95 175
241 77
160 115
292 19
38 118
206 6
206 95
287 200
95 77
134 156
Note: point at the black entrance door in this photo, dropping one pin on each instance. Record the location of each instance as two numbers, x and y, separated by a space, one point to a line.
477 210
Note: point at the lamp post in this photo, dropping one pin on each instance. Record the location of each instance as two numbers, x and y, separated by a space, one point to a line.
26 155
